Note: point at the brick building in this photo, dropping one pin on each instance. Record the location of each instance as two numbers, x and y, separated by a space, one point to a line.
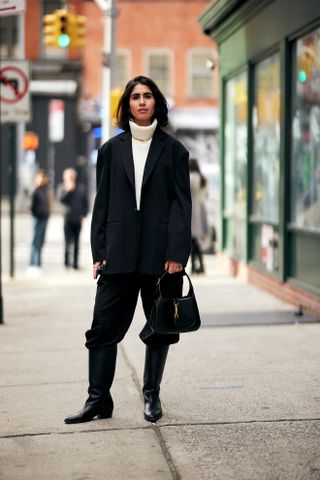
160 38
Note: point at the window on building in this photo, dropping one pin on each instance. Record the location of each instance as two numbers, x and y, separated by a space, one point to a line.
266 139
305 142
159 69
201 76
121 75
49 6
8 36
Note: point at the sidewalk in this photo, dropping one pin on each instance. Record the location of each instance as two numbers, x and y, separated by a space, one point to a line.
240 402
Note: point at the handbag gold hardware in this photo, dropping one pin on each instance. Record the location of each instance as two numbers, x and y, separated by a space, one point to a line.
176 310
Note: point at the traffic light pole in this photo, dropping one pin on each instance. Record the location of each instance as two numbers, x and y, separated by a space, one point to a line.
110 13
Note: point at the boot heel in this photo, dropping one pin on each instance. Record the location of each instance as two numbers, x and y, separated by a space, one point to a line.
106 414
107 409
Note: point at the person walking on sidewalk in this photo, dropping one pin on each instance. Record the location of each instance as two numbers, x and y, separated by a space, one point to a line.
141 227
40 214
73 196
199 223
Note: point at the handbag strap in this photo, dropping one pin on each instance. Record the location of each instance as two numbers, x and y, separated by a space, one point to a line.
183 273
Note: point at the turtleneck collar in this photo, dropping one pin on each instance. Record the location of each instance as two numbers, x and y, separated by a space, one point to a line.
142 133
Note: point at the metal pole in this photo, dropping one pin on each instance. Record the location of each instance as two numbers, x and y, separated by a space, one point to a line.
110 13
21 126
1 299
12 191
12 172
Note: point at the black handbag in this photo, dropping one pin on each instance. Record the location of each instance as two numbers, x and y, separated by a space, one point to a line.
174 315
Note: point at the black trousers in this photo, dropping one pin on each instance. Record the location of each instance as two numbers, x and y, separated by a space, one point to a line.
71 238
115 305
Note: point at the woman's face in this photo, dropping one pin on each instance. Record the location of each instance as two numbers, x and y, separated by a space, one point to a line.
142 105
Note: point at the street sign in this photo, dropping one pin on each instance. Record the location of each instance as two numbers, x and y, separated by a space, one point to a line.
56 120
11 7
14 91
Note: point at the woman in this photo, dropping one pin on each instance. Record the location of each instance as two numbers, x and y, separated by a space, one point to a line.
141 227
199 224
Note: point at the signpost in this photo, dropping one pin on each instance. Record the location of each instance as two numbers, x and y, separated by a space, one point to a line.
55 135
11 7
14 108
14 91
14 85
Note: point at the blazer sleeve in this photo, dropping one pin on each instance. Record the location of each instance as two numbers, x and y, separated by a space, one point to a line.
100 207
179 227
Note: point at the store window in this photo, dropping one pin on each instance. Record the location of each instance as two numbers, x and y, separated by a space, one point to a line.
266 139
201 76
121 74
235 146
235 166
305 146
159 69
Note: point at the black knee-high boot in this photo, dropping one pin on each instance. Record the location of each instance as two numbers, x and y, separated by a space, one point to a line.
155 361
102 365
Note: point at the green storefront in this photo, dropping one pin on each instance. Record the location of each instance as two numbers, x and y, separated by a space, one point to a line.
269 60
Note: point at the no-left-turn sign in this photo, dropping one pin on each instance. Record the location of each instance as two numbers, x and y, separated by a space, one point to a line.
14 91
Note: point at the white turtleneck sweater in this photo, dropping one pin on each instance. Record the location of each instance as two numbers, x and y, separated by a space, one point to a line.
141 140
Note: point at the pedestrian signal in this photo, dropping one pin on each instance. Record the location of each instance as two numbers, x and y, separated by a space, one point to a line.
30 141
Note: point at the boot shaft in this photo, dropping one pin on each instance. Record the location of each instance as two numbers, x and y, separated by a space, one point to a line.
155 361
102 364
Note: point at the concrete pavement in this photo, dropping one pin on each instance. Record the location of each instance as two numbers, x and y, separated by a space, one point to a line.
240 402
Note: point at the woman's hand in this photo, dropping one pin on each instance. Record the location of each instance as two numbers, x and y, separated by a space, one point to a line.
173 267
96 266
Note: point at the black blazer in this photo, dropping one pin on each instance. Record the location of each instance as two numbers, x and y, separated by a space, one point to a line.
142 241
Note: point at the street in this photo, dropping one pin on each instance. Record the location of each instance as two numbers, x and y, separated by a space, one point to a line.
241 397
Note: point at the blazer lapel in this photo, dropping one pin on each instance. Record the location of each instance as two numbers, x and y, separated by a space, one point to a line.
127 157
155 150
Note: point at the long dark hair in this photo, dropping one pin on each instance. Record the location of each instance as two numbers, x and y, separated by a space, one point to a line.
123 110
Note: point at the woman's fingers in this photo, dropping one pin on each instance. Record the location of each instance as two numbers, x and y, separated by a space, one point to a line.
96 267
173 267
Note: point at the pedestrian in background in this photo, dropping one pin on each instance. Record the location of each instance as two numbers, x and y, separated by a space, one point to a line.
199 224
40 211
74 197
141 227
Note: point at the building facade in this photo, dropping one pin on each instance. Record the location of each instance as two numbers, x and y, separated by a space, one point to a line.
161 39
269 55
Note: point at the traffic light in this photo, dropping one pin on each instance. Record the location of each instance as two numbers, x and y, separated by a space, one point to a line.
306 65
78 31
63 28
51 29
64 20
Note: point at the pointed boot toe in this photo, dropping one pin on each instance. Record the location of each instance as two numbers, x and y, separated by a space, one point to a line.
91 410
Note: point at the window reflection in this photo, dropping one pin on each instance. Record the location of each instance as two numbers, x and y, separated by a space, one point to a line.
266 138
305 161
236 146
235 186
